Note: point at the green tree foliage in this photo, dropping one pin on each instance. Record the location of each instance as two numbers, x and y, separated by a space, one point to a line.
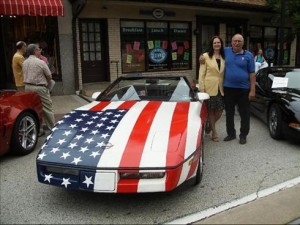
292 11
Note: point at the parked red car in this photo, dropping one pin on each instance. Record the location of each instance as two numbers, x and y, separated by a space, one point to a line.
20 120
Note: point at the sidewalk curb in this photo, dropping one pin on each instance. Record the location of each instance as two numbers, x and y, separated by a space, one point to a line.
193 218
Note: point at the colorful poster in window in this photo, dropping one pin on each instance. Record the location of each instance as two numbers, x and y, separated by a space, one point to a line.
150 44
164 44
133 57
157 59
136 45
181 55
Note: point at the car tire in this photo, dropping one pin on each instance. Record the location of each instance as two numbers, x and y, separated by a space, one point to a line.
25 134
275 122
199 173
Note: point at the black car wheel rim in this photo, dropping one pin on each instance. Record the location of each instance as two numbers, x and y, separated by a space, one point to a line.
27 133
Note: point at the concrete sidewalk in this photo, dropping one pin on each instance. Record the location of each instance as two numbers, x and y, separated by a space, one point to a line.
281 207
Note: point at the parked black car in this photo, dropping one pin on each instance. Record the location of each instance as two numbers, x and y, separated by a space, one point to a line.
277 100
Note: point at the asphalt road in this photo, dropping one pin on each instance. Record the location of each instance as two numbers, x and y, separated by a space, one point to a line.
231 172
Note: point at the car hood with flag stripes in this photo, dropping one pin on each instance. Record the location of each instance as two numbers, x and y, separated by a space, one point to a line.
125 134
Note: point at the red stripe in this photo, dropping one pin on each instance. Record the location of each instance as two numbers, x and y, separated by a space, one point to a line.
127 105
194 165
134 149
32 7
178 126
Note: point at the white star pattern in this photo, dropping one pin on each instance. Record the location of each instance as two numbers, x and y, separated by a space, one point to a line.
48 177
60 122
88 181
79 120
99 125
94 154
94 132
73 126
54 150
76 160
89 140
100 144
84 149
89 122
79 136
73 145
65 155
105 135
114 121
104 118
42 155
67 133
84 129
61 141
109 128
65 182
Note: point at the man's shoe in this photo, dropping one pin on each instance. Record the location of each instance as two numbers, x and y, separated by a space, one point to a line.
229 138
243 140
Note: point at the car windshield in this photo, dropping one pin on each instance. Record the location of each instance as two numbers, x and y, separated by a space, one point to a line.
149 88
290 80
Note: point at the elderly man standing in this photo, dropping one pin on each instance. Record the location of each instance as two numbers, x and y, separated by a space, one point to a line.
17 63
36 76
239 87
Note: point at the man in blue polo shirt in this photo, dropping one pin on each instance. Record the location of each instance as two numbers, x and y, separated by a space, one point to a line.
239 87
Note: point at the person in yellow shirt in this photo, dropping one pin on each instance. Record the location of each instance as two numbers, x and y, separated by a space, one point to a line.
17 63
211 75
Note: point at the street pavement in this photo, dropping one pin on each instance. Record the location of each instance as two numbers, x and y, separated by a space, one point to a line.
277 205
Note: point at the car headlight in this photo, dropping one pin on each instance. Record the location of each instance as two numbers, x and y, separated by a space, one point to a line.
62 170
144 175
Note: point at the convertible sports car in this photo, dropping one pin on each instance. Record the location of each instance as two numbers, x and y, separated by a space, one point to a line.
277 100
142 134
20 118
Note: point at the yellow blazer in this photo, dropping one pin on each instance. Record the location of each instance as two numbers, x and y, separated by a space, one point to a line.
210 77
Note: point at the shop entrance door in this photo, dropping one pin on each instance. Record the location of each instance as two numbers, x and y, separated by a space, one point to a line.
94 55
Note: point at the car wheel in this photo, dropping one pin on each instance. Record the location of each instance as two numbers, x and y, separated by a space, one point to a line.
275 122
25 134
199 173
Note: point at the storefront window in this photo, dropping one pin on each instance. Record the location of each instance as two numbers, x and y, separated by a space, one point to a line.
267 39
155 46
180 45
132 46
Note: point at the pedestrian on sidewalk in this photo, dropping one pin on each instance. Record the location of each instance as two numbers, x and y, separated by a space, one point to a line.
17 63
36 77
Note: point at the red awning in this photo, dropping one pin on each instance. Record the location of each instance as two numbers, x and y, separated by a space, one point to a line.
32 7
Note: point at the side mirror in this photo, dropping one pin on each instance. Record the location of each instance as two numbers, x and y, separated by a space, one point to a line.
202 96
95 95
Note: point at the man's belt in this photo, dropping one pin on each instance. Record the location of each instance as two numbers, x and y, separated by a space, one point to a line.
42 85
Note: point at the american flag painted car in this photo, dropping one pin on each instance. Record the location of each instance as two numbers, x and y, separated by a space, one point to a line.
142 134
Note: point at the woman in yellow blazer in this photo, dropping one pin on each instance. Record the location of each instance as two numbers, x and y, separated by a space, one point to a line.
211 76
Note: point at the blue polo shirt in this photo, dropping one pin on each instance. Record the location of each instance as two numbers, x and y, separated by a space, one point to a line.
237 68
